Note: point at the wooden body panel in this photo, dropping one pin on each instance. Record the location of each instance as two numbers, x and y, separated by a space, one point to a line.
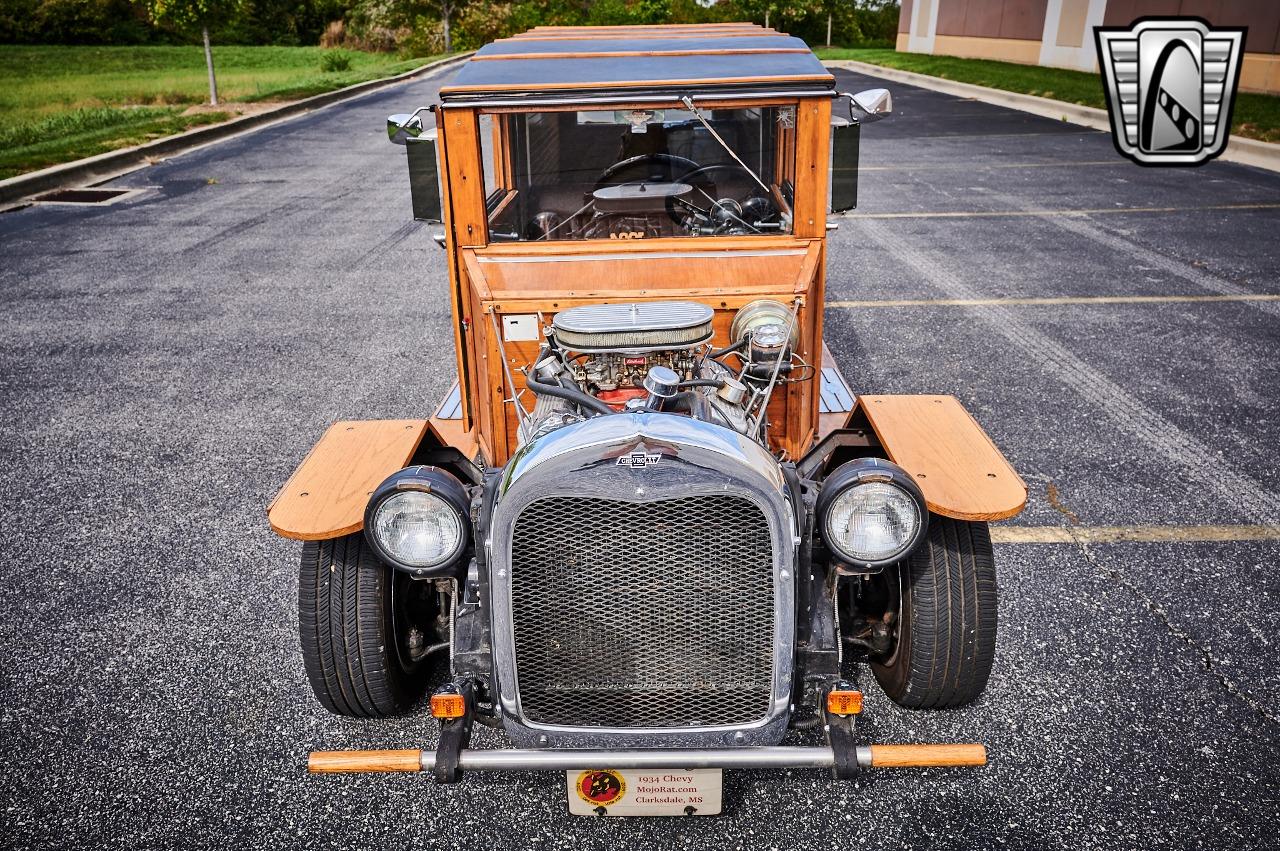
490 280
505 282
961 472
326 496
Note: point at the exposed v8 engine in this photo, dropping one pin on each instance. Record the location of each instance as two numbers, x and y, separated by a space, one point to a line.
656 356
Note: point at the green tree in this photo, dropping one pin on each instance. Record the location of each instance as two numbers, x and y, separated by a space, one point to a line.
414 14
196 14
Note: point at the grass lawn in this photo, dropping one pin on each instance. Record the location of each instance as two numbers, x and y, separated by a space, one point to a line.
1255 116
62 103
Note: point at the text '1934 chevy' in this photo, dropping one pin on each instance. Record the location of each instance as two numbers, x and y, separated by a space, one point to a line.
651 530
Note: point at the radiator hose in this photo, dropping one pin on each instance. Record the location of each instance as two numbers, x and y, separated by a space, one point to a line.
583 400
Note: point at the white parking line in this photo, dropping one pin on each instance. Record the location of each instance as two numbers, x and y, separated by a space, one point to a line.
1100 299
995 214
1142 256
1134 534
1129 414
972 166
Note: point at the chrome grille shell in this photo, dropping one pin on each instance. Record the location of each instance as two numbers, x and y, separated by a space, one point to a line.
695 466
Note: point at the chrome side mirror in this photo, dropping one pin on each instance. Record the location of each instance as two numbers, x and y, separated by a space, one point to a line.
402 127
873 103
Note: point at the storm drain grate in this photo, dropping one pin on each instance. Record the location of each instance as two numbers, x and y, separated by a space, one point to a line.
83 196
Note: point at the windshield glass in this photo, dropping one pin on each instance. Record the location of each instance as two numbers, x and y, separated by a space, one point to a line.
638 173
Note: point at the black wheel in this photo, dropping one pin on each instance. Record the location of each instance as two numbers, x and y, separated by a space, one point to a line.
945 619
358 622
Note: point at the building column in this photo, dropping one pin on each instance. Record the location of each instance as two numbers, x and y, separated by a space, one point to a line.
924 26
1068 34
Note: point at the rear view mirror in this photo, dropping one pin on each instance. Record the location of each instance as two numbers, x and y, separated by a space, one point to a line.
403 127
424 176
873 103
843 175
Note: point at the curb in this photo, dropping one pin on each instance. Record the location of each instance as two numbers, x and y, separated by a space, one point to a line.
1265 155
114 163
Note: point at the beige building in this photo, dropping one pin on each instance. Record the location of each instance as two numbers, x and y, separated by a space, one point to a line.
1059 33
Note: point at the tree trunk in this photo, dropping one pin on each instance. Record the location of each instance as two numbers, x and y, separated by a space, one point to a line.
448 36
828 29
766 19
208 61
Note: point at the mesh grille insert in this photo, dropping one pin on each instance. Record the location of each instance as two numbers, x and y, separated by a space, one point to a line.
654 614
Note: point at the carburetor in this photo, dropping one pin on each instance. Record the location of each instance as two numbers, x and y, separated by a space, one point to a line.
616 377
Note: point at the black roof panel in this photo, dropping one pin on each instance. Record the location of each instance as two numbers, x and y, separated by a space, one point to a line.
567 62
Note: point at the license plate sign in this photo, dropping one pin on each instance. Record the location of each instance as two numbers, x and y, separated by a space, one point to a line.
652 792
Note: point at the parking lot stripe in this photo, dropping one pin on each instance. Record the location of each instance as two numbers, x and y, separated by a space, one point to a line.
970 166
993 214
1126 411
1133 534
1100 299
1143 256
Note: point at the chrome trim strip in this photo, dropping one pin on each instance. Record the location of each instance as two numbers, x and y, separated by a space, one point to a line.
674 99
684 758
649 255
629 430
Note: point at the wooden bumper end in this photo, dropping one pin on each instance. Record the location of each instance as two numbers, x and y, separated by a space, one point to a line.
340 762
927 756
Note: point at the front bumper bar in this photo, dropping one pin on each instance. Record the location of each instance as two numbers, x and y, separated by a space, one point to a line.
869 756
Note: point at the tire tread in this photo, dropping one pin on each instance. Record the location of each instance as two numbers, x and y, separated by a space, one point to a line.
948 633
344 604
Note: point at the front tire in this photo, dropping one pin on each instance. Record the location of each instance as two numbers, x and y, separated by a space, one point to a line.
352 634
946 621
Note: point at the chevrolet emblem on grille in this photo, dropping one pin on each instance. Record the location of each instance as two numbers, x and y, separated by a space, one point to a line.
639 460
1170 83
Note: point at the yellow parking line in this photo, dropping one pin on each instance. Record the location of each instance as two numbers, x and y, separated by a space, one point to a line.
1100 299
1135 534
964 214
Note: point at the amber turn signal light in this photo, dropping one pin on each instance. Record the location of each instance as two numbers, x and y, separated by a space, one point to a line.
447 705
840 702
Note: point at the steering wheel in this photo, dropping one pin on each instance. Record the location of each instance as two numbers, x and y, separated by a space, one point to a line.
702 177
610 174
703 182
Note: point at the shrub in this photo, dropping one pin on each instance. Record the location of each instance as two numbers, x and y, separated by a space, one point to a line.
332 61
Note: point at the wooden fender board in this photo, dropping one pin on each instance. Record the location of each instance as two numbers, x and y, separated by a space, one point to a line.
326 496
960 471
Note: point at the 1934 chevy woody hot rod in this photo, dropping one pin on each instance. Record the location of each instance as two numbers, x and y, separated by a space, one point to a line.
651 529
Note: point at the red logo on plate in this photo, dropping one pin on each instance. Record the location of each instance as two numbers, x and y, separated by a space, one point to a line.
601 788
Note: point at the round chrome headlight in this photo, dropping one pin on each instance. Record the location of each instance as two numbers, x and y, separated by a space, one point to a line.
417 521
871 513
417 528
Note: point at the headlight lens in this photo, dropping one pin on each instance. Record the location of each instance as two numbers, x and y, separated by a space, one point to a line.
872 521
418 529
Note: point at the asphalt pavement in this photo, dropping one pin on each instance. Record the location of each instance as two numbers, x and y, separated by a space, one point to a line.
167 360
